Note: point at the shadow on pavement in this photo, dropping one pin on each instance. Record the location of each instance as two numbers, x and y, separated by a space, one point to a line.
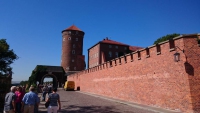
87 109
84 109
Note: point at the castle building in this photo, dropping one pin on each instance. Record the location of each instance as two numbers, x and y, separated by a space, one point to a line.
107 50
72 59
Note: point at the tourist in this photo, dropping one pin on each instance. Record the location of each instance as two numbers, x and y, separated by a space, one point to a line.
9 104
19 95
54 99
44 92
24 89
29 100
63 86
49 89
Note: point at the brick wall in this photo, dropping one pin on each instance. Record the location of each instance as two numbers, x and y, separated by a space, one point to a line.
72 49
155 80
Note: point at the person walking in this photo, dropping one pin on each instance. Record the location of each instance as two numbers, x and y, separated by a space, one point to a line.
29 100
54 99
49 89
44 92
19 95
9 104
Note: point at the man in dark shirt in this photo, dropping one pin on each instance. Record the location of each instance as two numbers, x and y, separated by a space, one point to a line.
9 105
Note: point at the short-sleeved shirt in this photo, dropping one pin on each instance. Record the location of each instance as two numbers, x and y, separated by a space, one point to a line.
19 96
49 89
30 98
45 89
53 98
8 101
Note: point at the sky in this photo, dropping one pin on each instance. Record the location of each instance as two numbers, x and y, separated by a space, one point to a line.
33 28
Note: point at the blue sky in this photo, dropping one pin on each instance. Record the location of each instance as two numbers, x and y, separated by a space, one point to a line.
33 27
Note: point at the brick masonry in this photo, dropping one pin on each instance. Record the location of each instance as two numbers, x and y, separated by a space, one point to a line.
72 48
155 80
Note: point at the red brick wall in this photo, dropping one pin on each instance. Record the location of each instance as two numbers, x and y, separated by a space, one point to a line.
100 52
94 56
156 80
192 68
72 41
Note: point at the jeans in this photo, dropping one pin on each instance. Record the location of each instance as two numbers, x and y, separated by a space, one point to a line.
44 96
18 107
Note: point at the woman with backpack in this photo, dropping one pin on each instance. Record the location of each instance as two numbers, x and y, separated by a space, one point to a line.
54 100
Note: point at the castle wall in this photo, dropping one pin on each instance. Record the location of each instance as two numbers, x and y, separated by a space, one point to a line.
150 76
192 68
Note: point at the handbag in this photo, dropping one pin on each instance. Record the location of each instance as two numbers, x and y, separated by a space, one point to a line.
47 104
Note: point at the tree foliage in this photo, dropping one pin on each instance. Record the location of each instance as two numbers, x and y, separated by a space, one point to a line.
7 57
23 83
167 37
32 78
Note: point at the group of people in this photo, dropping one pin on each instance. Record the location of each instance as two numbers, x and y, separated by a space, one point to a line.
17 101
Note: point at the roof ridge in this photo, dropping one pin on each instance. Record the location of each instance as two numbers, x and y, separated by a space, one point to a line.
73 27
112 41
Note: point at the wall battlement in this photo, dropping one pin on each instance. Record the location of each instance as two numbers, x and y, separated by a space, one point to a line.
150 76
148 52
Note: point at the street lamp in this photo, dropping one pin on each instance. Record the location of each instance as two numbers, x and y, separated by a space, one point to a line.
177 55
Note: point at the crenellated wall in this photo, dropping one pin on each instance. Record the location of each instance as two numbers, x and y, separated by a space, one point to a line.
150 76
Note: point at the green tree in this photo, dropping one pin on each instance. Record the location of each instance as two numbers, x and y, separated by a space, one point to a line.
7 57
32 78
23 83
167 37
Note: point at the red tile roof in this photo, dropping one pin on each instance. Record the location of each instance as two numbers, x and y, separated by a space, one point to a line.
108 41
73 27
112 42
134 48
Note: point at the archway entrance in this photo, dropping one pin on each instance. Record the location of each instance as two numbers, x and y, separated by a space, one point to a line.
50 80
56 73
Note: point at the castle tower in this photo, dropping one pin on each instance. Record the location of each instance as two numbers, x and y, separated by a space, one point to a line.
72 49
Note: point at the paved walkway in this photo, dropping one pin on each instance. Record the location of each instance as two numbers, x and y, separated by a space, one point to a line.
82 102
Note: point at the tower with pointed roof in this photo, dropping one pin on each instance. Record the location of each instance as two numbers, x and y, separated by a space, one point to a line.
72 59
